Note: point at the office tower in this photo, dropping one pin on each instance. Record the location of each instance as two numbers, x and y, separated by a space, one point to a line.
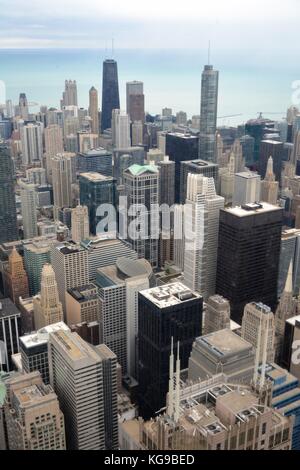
10 328
118 286
295 156
135 101
257 128
290 355
93 109
166 181
269 187
181 118
36 176
176 312
208 113
248 255
8 213
137 133
289 251
34 350
104 250
215 415
83 397
80 224
285 384
95 190
87 141
142 192
36 254
154 156
179 231
29 209
247 143
258 328
62 179
274 149
246 188
166 112
70 264
53 146
15 277
47 306
180 147
23 106
69 97
199 167
96 160
6 128
124 158
71 127
287 307
32 142
82 305
222 351
227 180
33 416
110 92
217 314
201 235
120 127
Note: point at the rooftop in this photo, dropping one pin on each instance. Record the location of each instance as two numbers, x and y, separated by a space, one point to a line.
8 308
251 209
224 342
41 336
199 163
137 170
96 177
170 294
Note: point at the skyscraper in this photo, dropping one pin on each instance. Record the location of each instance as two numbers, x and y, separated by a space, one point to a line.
135 101
174 311
248 255
246 188
95 190
208 113
110 92
32 142
120 127
62 179
36 254
94 110
201 235
217 314
47 306
15 278
269 187
33 416
70 94
8 213
80 224
53 146
275 149
10 329
29 209
23 106
201 167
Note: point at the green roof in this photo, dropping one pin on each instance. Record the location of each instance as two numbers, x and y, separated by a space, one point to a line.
137 170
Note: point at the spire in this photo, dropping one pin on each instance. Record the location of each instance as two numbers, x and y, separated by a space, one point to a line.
270 172
288 288
170 409
177 390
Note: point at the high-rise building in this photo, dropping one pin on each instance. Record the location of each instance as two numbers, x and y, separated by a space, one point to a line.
33 416
82 305
258 328
135 101
95 160
32 142
94 110
36 254
89 409
110 92
124 158
70 264
248 255
274 149
97 190
246 188
137 133
36 176
8 213
15 277
80 224
46 305
176 312
181 118
53 146
142 221
201 234
10 328
269 187
217 314
289 252
69 97
199 167
120 127
87 141
257 128
166 181
23 106
29 209
208 113
34 350
62 179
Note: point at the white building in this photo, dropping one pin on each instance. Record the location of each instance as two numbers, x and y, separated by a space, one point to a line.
246 188
32 142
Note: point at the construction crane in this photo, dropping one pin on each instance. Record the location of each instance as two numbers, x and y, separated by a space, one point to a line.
260 113
229 116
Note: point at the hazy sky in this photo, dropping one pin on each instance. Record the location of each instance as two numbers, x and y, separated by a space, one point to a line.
271 26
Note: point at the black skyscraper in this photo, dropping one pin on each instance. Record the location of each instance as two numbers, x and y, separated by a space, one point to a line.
164 312
248 255
8 215
110 92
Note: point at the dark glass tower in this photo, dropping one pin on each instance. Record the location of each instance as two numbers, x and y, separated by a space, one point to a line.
248 255
110 92
8 214
164 312
208 113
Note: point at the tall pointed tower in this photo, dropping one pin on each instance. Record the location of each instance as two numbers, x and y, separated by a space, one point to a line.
15 278
47 307
269 186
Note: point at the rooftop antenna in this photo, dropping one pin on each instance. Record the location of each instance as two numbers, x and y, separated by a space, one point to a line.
170 409
208 53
